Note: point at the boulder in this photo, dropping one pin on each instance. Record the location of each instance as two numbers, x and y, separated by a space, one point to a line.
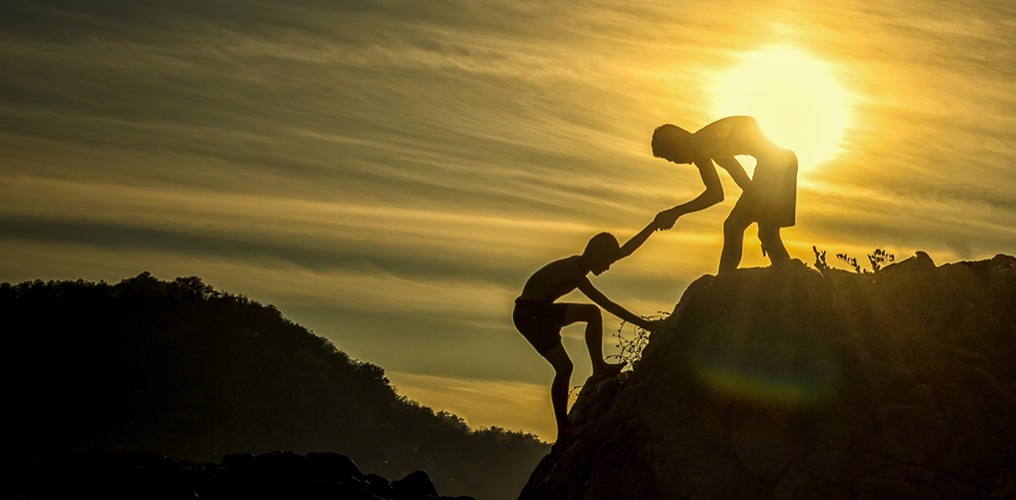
791 383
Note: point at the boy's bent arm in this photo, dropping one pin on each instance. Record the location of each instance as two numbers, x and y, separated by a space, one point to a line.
736 171
711 196
586 287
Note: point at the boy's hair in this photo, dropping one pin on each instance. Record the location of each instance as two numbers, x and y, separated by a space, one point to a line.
668 137
604 244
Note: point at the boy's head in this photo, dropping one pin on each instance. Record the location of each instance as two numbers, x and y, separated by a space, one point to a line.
601 251
672 143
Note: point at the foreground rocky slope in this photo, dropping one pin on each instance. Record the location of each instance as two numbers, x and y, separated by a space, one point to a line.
793 384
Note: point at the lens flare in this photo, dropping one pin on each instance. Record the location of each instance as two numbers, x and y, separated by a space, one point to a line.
791 374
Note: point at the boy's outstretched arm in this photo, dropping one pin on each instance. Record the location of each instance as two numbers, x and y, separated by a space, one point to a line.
711 196
586 287
636 241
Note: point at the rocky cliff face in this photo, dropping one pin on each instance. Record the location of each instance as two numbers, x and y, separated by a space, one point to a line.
793 384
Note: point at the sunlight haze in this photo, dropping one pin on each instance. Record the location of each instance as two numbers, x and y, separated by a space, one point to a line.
783 88
388 174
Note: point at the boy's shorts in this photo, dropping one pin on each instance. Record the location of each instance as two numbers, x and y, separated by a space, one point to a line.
772 198
540 323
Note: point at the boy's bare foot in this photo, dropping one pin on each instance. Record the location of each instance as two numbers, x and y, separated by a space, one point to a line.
605 370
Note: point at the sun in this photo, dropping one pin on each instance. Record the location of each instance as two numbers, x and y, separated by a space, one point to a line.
796 99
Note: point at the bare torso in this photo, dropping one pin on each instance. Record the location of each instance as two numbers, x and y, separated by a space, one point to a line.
554 280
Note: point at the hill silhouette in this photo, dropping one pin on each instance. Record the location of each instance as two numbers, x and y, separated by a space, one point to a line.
184 370
794 383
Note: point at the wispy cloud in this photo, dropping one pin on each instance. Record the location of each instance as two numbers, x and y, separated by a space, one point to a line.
372 165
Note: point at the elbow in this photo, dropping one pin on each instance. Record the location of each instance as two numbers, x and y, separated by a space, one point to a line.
713 193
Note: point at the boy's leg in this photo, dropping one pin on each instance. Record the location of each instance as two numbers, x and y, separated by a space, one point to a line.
733 240
772 244
591 315
562 364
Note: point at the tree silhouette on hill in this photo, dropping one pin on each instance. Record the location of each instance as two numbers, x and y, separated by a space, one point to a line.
182 369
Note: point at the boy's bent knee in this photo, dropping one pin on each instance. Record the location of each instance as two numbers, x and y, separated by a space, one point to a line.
563 371
558 358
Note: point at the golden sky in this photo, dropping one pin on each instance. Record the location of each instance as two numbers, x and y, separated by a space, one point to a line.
389 173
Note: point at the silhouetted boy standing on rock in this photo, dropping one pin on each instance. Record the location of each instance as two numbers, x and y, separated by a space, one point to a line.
768 198
539 318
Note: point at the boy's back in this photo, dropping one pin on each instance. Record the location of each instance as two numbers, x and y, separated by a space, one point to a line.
553 280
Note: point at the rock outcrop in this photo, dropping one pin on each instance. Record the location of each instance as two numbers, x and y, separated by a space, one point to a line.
790 383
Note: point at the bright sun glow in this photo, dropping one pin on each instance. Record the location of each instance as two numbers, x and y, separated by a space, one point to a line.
795 98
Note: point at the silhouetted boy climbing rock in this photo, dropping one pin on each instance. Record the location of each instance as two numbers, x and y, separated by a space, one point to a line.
539 318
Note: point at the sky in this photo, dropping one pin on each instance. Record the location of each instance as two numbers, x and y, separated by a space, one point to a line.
388 173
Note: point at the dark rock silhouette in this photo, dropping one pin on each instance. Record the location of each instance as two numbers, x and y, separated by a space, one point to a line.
787 383
415 485
184 370
279 474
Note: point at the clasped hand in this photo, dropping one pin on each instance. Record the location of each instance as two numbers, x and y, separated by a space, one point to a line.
666 219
